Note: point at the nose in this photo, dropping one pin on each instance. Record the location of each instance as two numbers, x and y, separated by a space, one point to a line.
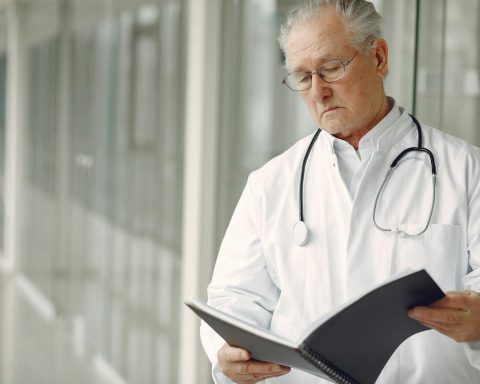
320 89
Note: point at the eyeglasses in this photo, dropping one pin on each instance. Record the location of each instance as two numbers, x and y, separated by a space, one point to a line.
328 72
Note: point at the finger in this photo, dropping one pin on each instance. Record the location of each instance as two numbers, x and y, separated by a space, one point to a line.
441 329
283 371
232 354
442 315
260 376
467 292
254 367
457 300
458 334
438 326
256 377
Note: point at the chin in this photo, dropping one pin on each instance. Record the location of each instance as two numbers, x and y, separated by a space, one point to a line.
333 129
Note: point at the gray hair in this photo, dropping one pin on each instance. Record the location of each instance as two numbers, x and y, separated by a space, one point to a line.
362 20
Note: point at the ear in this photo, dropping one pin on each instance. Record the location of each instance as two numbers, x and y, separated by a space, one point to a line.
381 57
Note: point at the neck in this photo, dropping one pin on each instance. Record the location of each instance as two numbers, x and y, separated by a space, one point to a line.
354 138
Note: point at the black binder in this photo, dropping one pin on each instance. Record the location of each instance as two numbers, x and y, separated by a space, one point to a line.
351 345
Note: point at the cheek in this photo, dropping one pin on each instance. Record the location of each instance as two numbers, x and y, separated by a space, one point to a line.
362 103
362 97
311 104
363 88
306 98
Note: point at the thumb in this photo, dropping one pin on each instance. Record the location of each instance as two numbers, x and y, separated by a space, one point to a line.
233 354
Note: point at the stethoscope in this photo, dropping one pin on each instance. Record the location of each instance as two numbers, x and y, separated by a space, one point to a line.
300 230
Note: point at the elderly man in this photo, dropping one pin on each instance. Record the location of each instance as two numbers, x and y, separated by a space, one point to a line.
355 231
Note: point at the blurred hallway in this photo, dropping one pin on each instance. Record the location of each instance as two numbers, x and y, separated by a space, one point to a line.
128 129
37 350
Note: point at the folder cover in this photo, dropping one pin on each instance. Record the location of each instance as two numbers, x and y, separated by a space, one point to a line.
351 344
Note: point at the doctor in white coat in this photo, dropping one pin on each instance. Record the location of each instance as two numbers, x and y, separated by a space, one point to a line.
337 62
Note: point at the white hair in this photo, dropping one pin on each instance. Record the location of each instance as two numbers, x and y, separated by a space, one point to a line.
361 19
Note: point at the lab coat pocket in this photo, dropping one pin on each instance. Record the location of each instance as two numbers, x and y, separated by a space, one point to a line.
438 250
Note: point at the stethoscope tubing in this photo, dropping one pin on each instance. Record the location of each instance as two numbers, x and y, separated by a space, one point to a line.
300 229
302 175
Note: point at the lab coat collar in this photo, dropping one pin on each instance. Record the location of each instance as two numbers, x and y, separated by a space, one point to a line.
383 135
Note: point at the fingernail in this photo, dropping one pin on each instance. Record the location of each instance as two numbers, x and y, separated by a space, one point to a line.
280 368
245 355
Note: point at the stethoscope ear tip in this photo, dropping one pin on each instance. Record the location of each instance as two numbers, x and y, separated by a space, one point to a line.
300 234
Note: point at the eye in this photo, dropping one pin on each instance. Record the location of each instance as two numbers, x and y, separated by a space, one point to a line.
330 67
301 77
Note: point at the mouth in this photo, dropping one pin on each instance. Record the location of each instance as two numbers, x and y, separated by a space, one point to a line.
330 109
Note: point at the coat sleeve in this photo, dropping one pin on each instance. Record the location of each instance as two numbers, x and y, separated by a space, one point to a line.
241 284
471 281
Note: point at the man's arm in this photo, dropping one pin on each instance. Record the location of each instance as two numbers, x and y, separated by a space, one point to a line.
241 286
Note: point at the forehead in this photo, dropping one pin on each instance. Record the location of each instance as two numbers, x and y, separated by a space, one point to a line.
319 39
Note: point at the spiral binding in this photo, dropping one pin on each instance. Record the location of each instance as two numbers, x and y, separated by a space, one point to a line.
327 367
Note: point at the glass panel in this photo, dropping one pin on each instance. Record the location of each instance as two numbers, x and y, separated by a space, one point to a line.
3 88
39 193
101 225
461 95
399 31
127 138
449 67
430 62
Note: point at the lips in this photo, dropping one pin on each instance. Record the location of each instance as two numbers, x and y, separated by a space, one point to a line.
328 110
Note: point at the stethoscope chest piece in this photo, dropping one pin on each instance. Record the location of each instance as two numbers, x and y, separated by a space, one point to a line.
300 234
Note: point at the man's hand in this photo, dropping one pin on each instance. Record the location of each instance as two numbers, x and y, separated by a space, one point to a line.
457 315
235 363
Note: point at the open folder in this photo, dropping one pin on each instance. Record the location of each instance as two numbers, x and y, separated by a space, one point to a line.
350 345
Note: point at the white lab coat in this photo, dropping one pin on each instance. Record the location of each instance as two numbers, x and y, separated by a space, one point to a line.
262 277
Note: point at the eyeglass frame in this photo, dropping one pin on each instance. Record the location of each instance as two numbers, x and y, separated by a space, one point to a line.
316 71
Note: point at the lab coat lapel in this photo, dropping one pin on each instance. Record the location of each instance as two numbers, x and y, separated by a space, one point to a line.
329 215
370 252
